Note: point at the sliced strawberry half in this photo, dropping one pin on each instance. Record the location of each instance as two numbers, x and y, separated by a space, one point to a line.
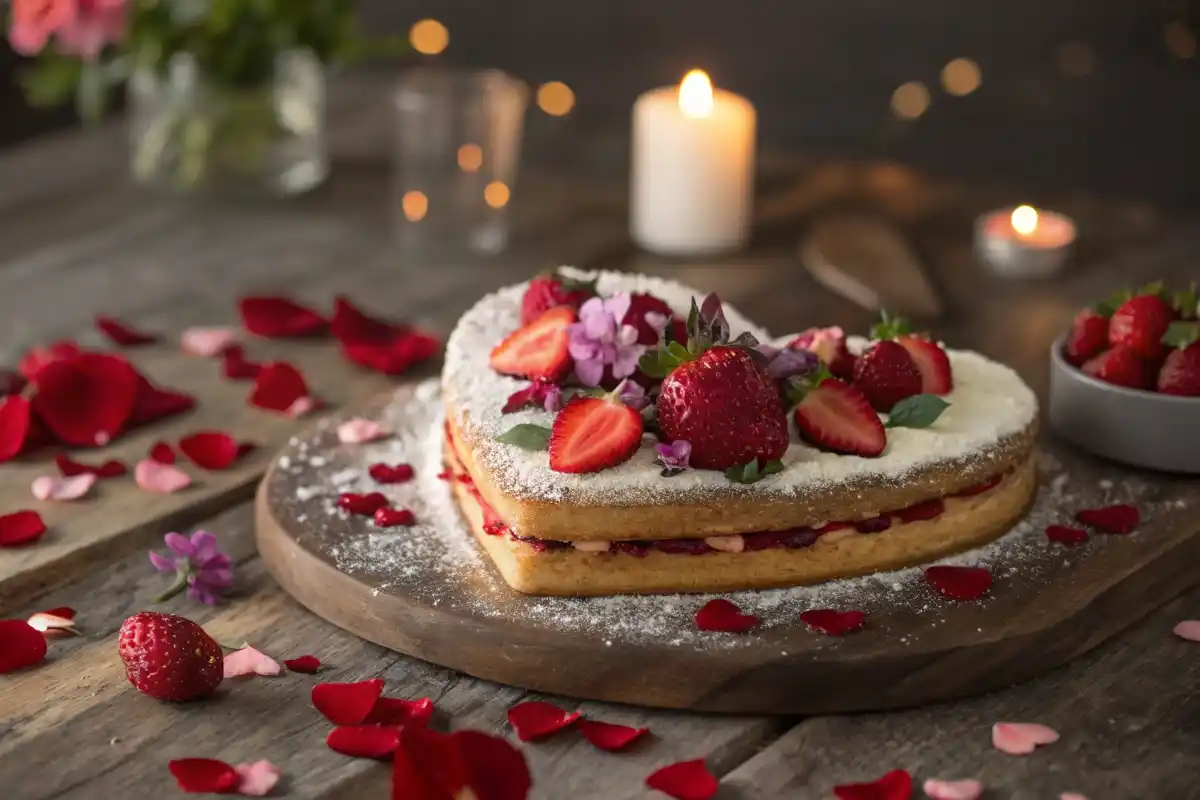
537 351
837 416
932 362
594 433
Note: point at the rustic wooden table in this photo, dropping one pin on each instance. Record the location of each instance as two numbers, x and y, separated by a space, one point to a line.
77 240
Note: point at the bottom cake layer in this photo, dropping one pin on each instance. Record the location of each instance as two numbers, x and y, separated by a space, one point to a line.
840 552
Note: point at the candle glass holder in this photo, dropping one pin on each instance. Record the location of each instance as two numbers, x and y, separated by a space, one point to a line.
456 152
1038 253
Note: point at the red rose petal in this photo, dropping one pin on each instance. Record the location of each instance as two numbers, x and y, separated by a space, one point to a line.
235 367
70 468
724 617
394 517
832 622
397 711
930 509
361 504
20 527
1064 535
87 398
384 473
162 453
204 775
959 583
15 422
277 387
66 612
154 403
607 736
377 344
347 703
212 450
39 357
121 334
306 664
535 719
1110 519
496 770
364 741
686 780
895 785
21 645
429 766
278 317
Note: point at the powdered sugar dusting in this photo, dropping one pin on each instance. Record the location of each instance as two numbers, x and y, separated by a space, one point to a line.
989 402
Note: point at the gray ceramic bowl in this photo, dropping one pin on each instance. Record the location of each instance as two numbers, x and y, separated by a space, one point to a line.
1142 429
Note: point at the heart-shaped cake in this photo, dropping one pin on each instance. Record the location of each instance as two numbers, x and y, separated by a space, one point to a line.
612 433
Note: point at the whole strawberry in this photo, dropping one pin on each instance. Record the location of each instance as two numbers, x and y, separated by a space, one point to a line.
640 305
1119 366
1088 337
1180 373
717 397
169 657
886 371
551 291
1140 323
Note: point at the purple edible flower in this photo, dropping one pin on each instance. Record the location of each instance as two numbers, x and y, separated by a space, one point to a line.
600 339
539 393
674 457
788 363
198 565
632 394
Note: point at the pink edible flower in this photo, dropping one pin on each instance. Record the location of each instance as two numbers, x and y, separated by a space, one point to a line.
600 340
198 565
79 27
633 394
674 457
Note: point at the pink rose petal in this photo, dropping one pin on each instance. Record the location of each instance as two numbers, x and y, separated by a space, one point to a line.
52 487
207 342
358 431
1021 738
154 476
257 779
50 623
249 661
1188 629
301 406
953 790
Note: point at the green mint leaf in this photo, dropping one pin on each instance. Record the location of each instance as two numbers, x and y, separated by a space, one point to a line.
772 467
918 411
526 436
1182 334
751 473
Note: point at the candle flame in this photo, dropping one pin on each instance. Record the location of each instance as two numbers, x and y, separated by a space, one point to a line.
696 94
1024 220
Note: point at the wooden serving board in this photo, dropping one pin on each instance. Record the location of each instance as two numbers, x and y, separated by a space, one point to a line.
430 599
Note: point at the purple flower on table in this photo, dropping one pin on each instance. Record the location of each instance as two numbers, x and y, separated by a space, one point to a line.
633 394
600 340
674 457
199 567
539 393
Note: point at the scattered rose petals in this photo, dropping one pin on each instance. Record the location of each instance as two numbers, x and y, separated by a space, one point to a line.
724 617
211 450
70 468
394 517
15 423
207 342
607 736
686 780
953 790
895 785
832 622
347 703
162 453
1188 629
361 504
377 344
257 779
364 741
278 317
249 661
360 431
11 382
959 583
535 719
397 711
21 645
52 487
306 664
204 775
302 407
87 398
1021 738
121 334
39 357
496 770
278 387
1111 519
20 527
155 476
235 366
433 766
154 403
56 621
385 473
1061 534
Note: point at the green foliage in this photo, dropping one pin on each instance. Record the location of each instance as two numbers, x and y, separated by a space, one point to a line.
1182 334
527 436
890 327
918 411
751 472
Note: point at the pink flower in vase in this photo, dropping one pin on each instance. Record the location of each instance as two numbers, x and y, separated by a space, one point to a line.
34 21
95 24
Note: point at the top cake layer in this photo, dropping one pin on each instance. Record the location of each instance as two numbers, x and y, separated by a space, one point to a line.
987 429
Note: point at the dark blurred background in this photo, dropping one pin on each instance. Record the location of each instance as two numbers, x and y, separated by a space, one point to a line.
1096 95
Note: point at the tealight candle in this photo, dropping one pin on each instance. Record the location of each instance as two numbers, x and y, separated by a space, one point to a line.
1024 242
693 168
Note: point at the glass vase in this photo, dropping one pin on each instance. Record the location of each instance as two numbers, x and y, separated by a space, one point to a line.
192 134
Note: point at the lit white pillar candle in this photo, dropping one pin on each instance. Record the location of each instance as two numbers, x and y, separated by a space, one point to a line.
693 168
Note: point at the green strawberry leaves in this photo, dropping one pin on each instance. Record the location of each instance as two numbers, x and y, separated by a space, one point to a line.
1187 301
751 472
574 284
890 327
1182 334
706 327
918 411
527 436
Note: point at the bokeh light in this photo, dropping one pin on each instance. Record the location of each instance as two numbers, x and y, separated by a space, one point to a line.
415 205
496 194
910 100
555 98
470 157
429 37
960 77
